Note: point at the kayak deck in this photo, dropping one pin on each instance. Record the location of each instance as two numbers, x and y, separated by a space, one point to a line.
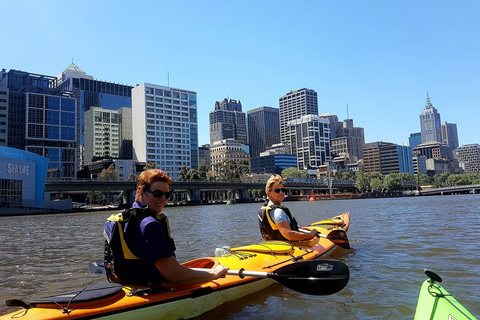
435 303
185 301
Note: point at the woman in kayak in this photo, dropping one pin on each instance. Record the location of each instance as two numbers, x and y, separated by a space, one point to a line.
276 221
147 256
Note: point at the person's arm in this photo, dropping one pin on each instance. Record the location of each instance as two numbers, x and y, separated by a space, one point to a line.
292 235
175 272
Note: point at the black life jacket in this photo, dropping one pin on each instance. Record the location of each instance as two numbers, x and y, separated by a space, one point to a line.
118 258
268 228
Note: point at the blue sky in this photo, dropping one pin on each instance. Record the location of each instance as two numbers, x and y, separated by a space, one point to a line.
380 57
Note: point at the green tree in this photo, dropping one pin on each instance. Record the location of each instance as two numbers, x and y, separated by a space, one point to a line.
150 165
230 171
440 180
425 180
108 174
243 168
202 171
294 173
193 174
94 197
182 175
393 182
362 183
376 185
132 177
346 175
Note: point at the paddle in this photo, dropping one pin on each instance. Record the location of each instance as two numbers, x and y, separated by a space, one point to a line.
314 277
339 237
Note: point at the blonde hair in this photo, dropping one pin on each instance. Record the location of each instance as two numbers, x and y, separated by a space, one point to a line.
274 180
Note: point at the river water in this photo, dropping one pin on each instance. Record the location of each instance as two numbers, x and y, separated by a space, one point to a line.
393 240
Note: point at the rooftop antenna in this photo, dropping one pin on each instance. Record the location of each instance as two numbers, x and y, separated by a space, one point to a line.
168 78
347 112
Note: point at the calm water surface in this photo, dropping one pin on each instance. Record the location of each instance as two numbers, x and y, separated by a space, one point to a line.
392 241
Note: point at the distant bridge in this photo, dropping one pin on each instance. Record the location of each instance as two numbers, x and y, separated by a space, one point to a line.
199 191
471 188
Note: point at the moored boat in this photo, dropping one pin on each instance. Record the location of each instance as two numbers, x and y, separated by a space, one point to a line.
253 267
435 303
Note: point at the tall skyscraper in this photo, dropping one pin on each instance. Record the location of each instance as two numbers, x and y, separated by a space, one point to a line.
42 120
294 105
228 121
95 93
309 140
263 129
449 135
165 127
430 124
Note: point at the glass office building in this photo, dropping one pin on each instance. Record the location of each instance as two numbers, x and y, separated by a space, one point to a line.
42 120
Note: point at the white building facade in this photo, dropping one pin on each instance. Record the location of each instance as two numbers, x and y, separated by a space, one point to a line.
309 139
102 134
165 127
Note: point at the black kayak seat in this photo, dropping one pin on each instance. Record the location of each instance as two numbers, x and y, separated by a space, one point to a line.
86 294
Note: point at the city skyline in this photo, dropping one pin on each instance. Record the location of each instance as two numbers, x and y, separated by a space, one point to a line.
380 64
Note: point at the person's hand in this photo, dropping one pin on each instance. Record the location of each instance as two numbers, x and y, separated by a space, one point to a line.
314 232
220 271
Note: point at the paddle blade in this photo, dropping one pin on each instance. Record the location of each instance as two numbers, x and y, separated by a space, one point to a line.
339 237
315 277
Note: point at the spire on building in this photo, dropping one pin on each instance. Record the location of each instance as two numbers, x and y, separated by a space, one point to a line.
429 103
74 67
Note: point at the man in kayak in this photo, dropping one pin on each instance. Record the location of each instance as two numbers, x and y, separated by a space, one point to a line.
146 256
276 221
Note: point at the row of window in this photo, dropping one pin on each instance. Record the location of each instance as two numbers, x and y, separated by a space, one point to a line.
11 192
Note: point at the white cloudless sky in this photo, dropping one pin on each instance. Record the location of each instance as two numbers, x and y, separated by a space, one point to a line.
379 57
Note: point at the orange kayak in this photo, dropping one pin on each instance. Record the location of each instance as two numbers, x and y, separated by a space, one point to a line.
253 267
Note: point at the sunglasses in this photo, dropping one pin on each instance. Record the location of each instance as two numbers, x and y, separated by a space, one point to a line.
159 193
280 190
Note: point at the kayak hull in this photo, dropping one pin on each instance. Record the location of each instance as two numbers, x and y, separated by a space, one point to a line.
188 301
435 303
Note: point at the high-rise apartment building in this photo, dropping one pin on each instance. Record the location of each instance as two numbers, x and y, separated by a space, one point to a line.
263 129
294 105
469 157
102 134
95 93
449 135
430 124
309 140
227 121
42 120
165 127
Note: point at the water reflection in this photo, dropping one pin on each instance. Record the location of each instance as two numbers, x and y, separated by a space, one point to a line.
392 241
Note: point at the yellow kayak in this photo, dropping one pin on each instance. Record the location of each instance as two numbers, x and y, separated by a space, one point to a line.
252 268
